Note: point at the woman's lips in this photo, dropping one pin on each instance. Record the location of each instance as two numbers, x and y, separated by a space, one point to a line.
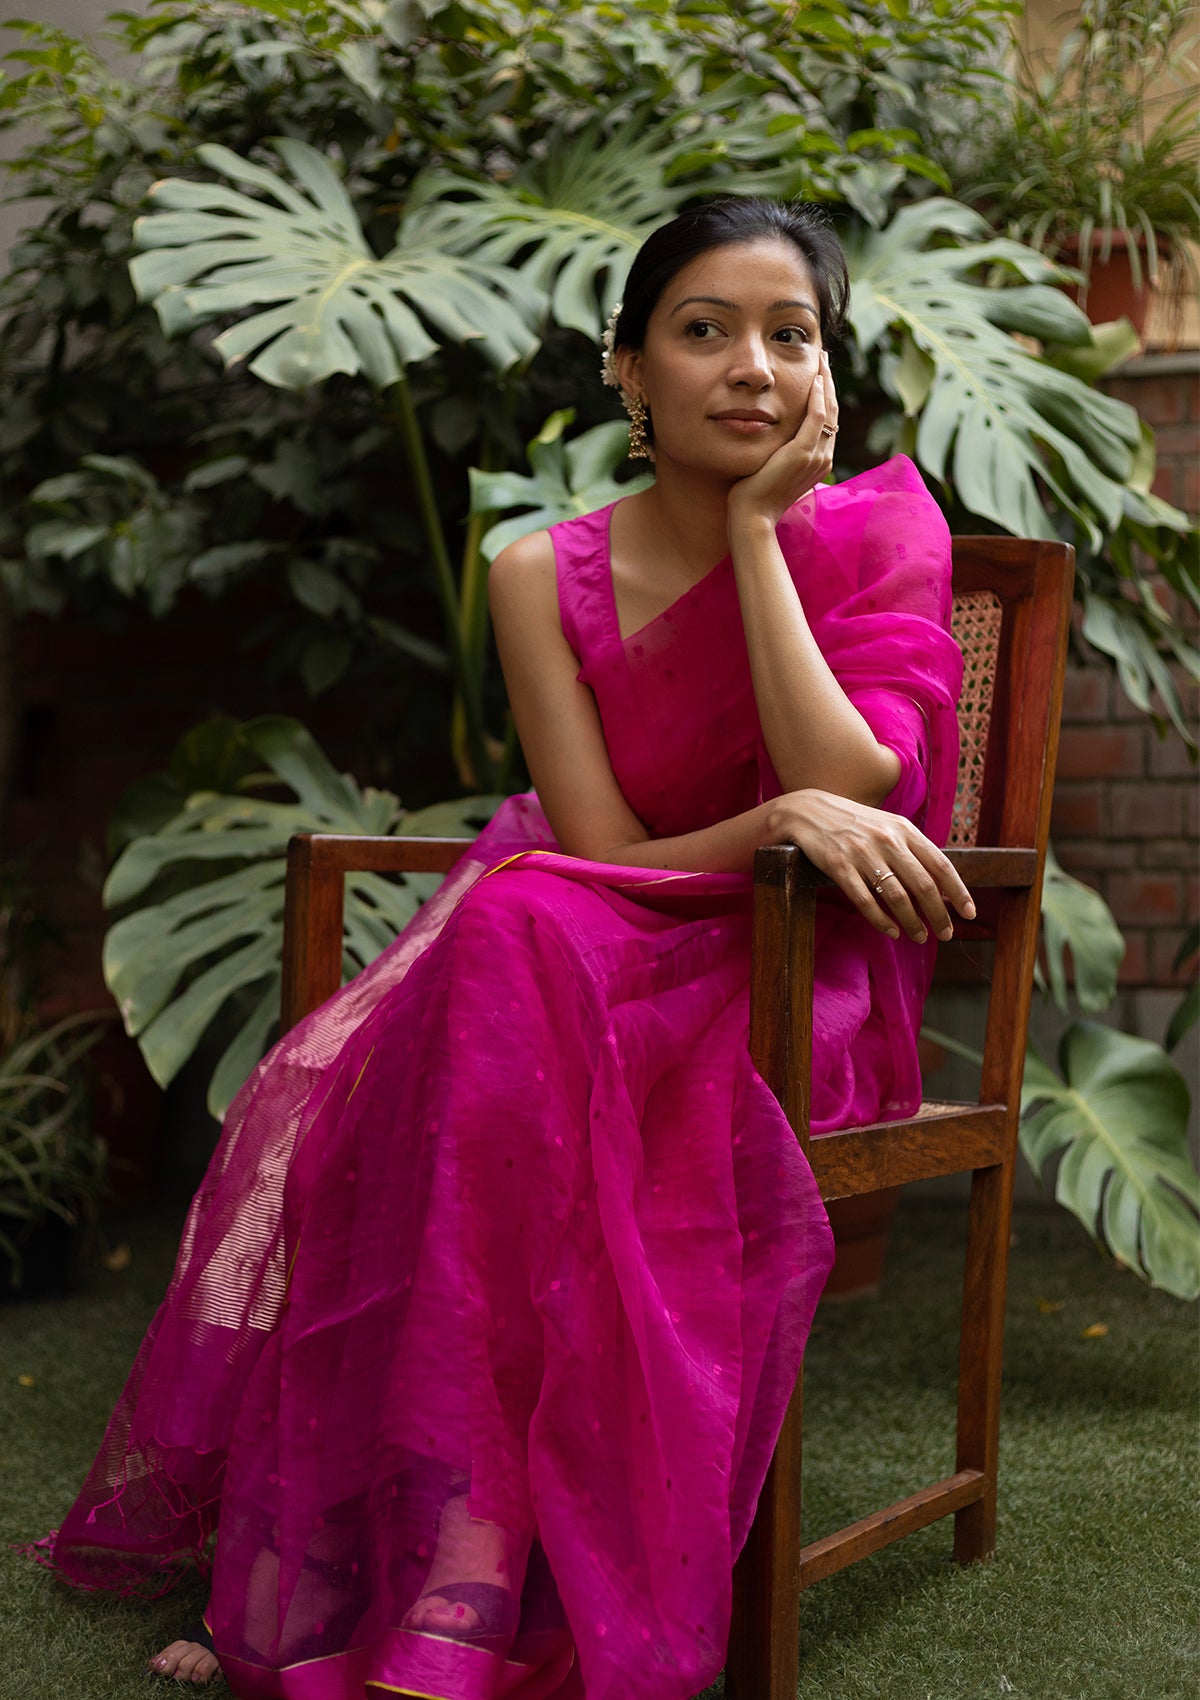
750 423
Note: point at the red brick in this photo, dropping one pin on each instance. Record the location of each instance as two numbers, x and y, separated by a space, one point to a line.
1182 440
1191 813
1164 947
1175 853
1145 898
1146 811
1170 757
1078 810
1168 482
1101 752
1135 967
1189 494
1123 708
1161 398
1087 856
1086 694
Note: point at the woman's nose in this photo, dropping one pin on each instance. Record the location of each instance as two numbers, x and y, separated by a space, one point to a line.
751 364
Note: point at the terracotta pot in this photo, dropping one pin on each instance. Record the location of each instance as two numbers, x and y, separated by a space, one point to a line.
1111 293
861 1229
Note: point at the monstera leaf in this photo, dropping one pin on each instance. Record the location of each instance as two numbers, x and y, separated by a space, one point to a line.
991 419
573 220
1120 1110
568 479
295 253
1075 916
202 934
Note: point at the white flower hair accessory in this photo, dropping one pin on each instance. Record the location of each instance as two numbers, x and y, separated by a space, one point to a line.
608 366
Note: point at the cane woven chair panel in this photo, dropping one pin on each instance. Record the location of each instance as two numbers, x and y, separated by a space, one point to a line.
975 623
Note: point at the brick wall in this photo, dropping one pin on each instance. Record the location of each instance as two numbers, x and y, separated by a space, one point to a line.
1125 819
103 708
1126 804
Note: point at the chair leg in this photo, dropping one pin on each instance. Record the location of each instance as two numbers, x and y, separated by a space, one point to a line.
763 1661
981 1354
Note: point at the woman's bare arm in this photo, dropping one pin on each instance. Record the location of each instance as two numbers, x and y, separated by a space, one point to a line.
813 733
563 742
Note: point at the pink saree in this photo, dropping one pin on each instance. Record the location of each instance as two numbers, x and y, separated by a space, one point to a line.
513 1216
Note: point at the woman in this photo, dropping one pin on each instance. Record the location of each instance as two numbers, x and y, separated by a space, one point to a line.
488 1310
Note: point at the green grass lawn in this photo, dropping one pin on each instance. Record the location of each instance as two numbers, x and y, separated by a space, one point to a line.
1092 1594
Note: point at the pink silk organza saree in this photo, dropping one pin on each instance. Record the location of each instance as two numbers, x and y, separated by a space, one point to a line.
513 1216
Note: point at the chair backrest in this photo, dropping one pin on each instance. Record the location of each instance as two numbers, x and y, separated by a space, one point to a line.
1031 581
976 622
1012 603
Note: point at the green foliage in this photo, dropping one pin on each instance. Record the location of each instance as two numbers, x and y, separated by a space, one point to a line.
1103 140
50 1162
987 417
1123 615
566 479
1120 1111
213 251
1187 1011
200 877
455 190
1075 916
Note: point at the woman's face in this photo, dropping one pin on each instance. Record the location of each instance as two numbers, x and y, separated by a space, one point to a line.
731 350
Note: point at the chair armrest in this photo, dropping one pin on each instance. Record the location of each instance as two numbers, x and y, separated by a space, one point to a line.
982 868
782 967
317 865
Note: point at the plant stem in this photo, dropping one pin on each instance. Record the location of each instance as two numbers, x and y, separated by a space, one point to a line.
466 678
474 620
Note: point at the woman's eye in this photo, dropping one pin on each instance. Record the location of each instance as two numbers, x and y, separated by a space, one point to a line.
791 334
701 329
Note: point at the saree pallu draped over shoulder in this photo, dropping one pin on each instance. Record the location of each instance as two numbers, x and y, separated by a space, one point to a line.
513 1216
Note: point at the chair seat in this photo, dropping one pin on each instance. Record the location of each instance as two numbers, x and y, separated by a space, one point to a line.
953 1138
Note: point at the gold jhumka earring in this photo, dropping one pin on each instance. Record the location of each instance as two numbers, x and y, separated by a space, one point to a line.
639 442
639 439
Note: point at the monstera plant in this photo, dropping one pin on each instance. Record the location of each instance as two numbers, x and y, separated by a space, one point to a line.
199 884
283 264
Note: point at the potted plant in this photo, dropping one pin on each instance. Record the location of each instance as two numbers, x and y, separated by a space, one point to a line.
1095 161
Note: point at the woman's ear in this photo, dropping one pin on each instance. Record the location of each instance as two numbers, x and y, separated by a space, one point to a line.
628 362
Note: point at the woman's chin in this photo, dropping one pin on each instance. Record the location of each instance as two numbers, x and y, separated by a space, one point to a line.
729 461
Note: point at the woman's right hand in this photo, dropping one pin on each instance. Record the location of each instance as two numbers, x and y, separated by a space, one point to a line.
797 466
861 848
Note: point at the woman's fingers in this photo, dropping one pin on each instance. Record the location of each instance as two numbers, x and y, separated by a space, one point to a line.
916 888
895 876
900 886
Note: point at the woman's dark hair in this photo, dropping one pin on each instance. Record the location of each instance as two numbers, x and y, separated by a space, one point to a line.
735 219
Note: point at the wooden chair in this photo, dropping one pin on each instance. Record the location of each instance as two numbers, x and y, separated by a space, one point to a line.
1012 607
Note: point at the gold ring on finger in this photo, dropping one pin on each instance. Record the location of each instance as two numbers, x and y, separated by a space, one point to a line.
829 430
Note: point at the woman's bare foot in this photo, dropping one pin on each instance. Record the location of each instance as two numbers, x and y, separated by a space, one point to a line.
186 1661
468 1552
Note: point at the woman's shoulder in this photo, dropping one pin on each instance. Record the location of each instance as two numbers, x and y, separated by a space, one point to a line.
525 602
523 574
535 555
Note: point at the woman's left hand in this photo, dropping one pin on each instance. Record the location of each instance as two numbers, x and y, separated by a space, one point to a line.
896 878
797 466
